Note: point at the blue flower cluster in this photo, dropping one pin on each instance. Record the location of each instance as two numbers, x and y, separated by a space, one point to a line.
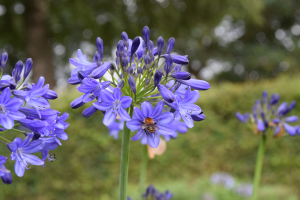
270 116
152 193
145 81
24 108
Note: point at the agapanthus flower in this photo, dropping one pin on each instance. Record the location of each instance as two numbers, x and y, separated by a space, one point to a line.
4 173
113 104
268 116
151 123
22 153
185 107
138 75
34 96
177 126
26 110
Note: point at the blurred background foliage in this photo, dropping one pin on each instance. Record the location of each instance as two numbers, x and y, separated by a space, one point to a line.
87 165
225 39
228 41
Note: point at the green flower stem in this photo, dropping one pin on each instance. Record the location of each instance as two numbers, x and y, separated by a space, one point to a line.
124 160
143 172
259 163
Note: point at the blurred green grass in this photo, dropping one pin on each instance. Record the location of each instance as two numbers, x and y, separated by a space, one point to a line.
87 165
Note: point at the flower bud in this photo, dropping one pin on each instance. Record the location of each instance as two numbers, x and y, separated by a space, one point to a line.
178 59
168 64
89 111
176 86
100 71
166 93
274 99
195 84
16 74
131 82
28 66
3 59
265 97
135 45
198 117
120 47
124 62
150 47
122 76
124 37
170 45
6 178
139 71
181 75
147 82
97 58
112 69
157 77
99 44
50 95
130 70
77 102
160 45
81 75
177 68
121 84
147 61
117 61
146 34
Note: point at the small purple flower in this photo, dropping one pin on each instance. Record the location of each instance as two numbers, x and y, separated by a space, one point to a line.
152 193
222 178
243 118
34 96
157 77
9 109
21 153
168 64
151 123
113 104
4 173
185 107
135 45
131 82
16 74
92 89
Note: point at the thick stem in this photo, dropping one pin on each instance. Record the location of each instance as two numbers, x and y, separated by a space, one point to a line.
143 172
124 160
259 163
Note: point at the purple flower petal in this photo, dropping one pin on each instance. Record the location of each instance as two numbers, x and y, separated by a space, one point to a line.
109 117
138 114
165 118
124 114
157 110
126 101
292 119
117 94
7 122
16 115
153 140
139 135
260 125
34 147
102 105
32 159
107 96
134 125
147 109
164 130
19 168
290 129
